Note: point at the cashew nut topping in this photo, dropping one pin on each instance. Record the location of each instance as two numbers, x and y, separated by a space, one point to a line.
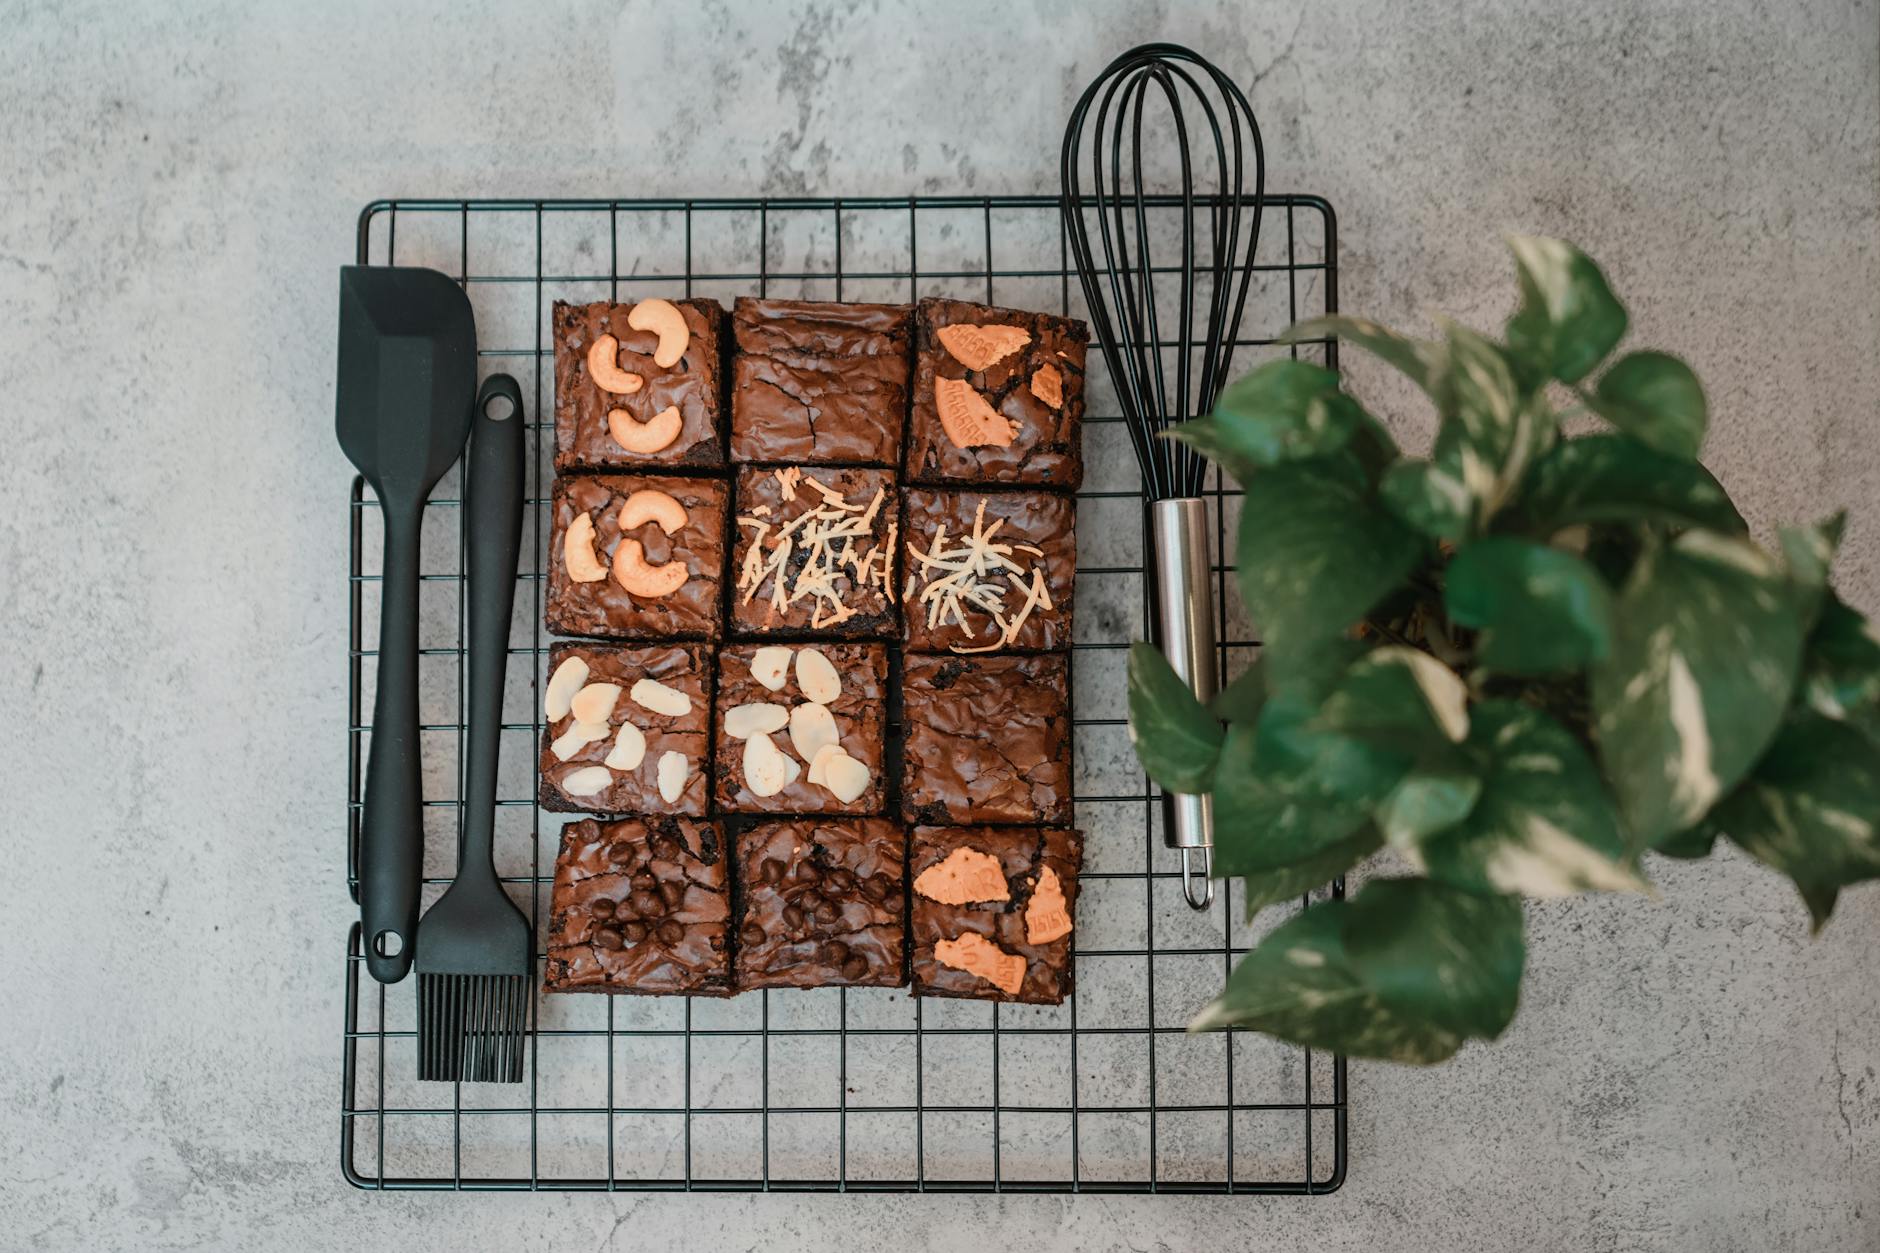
650 506
663 318
577 550
603 363
649 436
638 578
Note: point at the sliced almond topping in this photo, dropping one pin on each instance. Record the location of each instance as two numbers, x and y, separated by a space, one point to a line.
966 875
845 777
568 678
629 748
977 955
1048 385
594 702
577 737
672 772
816 676
980 347
663 318
823 755
966 417
1047 917
767 770
577 551
741 722
587 781
656 696
771 666
811 728
603 363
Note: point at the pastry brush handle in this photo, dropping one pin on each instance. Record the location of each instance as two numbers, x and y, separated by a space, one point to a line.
493 489
1183 583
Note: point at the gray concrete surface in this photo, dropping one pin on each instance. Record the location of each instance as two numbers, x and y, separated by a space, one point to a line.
177 184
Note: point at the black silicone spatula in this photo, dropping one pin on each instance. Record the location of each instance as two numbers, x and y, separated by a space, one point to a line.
474 946
407 375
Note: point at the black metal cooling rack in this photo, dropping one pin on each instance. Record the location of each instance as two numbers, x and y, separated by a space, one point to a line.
858 1090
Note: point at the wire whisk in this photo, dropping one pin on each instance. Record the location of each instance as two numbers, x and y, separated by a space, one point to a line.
1145 341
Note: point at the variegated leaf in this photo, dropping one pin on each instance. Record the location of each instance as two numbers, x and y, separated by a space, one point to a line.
1437 954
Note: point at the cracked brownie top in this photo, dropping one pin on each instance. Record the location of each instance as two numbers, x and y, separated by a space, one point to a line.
818 383
987 739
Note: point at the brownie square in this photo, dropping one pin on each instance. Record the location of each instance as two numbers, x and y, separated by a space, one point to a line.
988 570
1013 888
628 756
585 436
856 713
998 396
608 602
815 552
818 383
988 739
639 906
821 904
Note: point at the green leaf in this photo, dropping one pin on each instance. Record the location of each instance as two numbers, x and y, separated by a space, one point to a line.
1284 411
1841 667
1316 551
1569 319
1655 398
1299 985
1175 737
1429 498
1808 551
1539 609
1691 844
1543 825
1398 696
1492 431
1427 800
1809 809
1438 955
1706 644
1614 478
1242 700
1413 357
1291 882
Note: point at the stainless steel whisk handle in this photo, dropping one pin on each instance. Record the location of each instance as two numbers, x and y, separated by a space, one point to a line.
1183 578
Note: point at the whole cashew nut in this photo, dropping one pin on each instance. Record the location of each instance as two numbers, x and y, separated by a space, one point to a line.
644 437
640 579
663 318
577 550
650 506
603 363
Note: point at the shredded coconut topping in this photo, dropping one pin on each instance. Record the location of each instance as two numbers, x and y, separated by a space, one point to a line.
976 572
829 533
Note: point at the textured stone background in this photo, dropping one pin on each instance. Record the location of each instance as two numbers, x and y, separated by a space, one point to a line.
177 184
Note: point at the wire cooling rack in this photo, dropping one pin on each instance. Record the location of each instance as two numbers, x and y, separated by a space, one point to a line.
857 1089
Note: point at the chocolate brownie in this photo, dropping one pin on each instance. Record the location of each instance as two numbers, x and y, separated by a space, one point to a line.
821 904
658 579
640 906
591 420
814 552
998 396
645 749
817 383
988 739
988 571
992 912
770 728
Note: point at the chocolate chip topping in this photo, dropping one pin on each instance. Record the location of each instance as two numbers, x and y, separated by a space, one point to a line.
830 912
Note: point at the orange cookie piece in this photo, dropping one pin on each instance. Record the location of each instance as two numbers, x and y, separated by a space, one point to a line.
977 955
966 875
978 347
1047 918
966 417
1048 385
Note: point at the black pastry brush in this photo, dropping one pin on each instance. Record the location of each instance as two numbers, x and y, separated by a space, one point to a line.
474 946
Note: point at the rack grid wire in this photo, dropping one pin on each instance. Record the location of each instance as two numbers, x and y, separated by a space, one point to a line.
838 1090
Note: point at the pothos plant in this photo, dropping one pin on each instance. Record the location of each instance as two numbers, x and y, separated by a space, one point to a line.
1523 663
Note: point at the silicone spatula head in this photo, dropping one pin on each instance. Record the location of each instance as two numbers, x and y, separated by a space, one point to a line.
407 375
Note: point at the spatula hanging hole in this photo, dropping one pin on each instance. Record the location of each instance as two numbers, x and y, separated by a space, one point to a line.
499 408
388 943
